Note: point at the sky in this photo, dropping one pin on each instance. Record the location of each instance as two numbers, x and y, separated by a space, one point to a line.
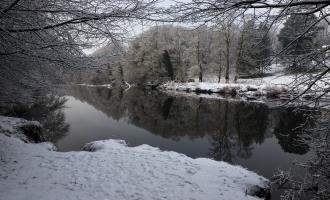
137 27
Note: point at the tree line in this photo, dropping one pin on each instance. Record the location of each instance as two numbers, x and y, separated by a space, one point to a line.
223 52
204 53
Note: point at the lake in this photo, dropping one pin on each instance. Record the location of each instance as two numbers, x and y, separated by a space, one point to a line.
251 134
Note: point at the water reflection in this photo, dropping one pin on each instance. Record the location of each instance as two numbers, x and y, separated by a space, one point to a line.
291 125
232 128
249 134
242 125
245 133
46 109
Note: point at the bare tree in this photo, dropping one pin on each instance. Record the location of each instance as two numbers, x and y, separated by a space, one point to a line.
41 41
274 13
56 32
227 31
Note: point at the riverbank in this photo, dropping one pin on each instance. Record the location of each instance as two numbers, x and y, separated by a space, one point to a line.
110 170
269 87
244 90
278 86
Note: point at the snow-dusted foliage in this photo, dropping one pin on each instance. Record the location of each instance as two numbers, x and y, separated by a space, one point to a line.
203 54
42 41
14 127
110 170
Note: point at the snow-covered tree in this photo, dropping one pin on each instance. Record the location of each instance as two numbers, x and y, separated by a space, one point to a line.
41 40
295 44
254 48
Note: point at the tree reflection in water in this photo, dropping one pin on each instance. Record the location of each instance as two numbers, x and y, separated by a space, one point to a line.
48 110
233 127
292 124
243 125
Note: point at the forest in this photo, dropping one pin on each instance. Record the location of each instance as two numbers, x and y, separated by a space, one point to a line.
225 51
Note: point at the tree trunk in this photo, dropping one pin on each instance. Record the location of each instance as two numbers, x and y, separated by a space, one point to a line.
200 76
121 74
239 55
168 64
227 54
219 75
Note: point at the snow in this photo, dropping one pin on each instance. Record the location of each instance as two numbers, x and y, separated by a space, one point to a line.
109 86
275 68
279 87
279 79
90 85
247 88
109 169
128 86
11 126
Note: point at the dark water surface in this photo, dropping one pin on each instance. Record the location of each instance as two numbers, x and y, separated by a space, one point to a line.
252 135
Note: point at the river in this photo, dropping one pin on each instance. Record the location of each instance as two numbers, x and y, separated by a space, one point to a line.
251 134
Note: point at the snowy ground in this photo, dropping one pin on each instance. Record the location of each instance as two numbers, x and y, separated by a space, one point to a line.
111 170
270 87
254 88
14 127
279 84
90 85
278 79
125 85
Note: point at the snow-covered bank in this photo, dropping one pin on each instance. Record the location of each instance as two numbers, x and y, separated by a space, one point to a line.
237 89
90 85
21 128
279 86
125 85
111 170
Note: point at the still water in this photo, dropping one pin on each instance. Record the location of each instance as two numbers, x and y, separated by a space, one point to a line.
249 134
253 135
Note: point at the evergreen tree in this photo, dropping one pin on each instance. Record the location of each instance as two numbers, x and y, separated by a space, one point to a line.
168 64
254 48
296 44
246 60
264 48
